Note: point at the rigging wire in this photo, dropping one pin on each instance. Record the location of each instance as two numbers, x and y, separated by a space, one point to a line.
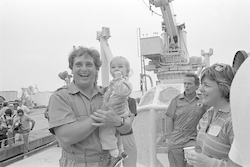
150 8
143 4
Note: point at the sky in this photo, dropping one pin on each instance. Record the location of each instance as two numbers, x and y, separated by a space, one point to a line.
36 36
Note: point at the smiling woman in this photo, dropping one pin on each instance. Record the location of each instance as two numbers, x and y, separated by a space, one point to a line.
215 134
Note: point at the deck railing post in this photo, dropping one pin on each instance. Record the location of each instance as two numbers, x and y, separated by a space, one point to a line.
152 138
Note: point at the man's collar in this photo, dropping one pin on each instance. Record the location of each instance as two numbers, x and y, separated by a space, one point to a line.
225 111
73 89
182 95
211 109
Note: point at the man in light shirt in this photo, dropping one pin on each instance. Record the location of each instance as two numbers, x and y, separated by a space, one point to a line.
23 107
5 107
22 123
2 99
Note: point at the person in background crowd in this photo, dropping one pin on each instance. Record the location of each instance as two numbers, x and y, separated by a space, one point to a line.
3 132
4 108
3 137
22 121
15 108
23 107
2 99
215 131
128 139
7 122
183 114
75 115
14 111
11 106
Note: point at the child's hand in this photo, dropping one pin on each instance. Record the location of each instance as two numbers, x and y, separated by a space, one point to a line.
118 74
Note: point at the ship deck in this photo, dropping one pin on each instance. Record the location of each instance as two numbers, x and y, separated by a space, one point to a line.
44 151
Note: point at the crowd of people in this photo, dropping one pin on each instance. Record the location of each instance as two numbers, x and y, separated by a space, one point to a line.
199 117
14 120
93 125
209 127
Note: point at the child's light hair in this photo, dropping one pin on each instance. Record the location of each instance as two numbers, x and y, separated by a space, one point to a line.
127 64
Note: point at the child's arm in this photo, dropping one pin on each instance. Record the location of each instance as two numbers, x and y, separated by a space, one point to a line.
105 99
122 88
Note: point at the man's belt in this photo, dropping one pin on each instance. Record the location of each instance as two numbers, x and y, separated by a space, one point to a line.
81 158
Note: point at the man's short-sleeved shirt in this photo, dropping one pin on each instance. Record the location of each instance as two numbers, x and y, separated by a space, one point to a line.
25 109
69 104
185 114
25 122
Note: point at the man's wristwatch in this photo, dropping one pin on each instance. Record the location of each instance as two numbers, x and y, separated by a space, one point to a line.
122 122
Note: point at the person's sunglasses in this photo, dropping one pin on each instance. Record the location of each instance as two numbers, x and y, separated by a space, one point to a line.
219 67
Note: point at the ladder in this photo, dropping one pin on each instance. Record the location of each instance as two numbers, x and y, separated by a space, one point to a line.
143 82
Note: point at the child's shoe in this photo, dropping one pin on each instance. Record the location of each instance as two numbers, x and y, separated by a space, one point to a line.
114 161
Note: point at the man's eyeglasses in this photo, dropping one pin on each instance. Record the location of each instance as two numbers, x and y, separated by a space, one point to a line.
219 67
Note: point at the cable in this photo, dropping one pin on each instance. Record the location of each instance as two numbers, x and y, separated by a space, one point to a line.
150 8
145 5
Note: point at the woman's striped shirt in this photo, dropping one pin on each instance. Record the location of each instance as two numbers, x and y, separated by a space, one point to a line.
215 135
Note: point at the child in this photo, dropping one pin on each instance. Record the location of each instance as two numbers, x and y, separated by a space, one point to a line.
7 119
119 90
